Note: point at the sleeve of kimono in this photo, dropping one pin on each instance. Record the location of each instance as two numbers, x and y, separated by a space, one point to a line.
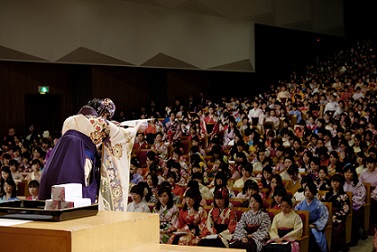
265 225
358 199
210 227
240 230
174 220
297 229
202 219
323 218
274 228
181 224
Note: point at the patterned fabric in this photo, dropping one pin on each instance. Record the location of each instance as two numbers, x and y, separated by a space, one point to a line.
115 175
358 193
369 177
253 218
216 217
192 222
141 207
168 221
340 205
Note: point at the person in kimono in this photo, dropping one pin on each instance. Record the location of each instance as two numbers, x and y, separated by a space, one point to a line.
318 218
168 212
354 185
285 229
221 221
340 209
76 156
191 220
252 229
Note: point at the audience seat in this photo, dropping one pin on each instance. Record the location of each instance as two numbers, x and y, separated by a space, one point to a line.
304 215
367 206
328 228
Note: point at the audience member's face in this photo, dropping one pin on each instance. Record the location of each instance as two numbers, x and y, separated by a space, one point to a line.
136 197
267 175
189 202
335 185
254 205
7 188
33 190
348 175
273 183
4 175
371 166
164 198
308 194
285 207
220 202
322 174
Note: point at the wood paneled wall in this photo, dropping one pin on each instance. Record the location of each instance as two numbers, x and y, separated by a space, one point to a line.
128 87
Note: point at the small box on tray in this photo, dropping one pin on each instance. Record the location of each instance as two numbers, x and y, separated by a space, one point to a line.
56 205
66 192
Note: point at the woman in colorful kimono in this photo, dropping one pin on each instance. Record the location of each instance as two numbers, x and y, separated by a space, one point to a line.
354 185
318 218
285 229
168 213
221 221
74 158
252 229
340 209
191 220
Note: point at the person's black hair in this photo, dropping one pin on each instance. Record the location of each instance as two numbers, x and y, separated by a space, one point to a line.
151 155
197 175
268 169
325 170
135 161
221 192
312 188
95 103
351 168
338 178
33 183
293 169
195 195
287 198
144 185
279 191
249 184
12 183
7 170
247 166
154 177
164 188
172 175
221 175
13 162
258 199
367 160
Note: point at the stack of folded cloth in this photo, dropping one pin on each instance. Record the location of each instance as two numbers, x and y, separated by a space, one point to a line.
66 196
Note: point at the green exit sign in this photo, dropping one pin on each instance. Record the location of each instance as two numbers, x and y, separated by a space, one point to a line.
43 89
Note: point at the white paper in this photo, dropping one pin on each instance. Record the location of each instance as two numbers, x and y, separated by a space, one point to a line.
281 243
214 236
12 222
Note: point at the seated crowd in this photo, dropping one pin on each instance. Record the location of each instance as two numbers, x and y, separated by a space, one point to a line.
240 172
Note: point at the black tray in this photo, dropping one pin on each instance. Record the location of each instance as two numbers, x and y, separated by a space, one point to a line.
34 210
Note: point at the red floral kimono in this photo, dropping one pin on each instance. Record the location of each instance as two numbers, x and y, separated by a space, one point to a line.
190 226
